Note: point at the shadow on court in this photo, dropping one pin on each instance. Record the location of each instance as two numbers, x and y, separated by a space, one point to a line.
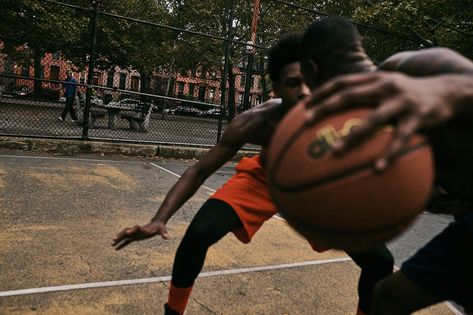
59 215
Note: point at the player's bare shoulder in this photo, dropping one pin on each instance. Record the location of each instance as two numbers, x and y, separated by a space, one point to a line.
256 124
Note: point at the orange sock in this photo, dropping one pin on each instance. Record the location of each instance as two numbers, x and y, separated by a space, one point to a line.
178 298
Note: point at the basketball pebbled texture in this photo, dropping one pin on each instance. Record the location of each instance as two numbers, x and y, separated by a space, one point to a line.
341 202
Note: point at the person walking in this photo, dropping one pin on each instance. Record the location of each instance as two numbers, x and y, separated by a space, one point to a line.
70 88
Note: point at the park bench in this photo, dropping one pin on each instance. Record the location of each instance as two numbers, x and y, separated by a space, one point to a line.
94 113
139 118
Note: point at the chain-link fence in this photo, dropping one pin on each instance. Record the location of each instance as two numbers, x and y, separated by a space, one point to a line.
140 73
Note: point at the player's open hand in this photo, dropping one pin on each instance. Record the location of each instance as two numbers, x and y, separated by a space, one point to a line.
138 233
407 103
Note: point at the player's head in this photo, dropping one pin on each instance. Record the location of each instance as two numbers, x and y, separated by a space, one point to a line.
69 72
285 71
331 46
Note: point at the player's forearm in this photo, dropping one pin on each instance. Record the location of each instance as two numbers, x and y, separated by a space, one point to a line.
182 191
428 62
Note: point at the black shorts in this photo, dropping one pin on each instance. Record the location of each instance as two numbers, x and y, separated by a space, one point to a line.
445 264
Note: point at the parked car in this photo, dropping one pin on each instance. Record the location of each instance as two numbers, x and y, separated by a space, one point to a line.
169 111
187 111
94 100
214 113
44 94
21 91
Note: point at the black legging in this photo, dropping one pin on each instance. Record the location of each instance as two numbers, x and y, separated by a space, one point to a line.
69 108
216 218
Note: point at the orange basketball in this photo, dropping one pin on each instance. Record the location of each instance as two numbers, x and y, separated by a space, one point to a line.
341 202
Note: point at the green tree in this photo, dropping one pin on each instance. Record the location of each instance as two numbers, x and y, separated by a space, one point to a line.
422 23
31 28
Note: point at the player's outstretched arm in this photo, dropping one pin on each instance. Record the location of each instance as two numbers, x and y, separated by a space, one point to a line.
412 103
235 136
428 62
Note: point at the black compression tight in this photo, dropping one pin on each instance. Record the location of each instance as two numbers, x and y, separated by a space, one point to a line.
211 223
375 265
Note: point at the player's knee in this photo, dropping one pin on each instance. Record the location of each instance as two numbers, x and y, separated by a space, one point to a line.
201 234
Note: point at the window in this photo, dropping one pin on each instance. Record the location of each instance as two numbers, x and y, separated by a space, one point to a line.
82 79
25 69
191 89
172 84
203 74
54 72
180 89
201 96
239 99
211 95
110 77
97 76
242 81
135 83
122 83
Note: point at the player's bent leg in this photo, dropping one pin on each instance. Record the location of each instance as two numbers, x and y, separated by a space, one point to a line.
211 223
375 265
397 295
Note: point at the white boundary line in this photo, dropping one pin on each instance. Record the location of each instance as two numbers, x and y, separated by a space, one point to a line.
167 278
177 175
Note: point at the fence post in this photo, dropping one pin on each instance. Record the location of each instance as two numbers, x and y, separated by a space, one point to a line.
223 86
251 52
91 72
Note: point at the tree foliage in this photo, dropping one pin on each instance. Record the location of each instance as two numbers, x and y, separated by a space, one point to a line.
386 26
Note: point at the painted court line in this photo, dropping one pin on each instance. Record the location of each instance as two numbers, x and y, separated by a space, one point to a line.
177 175
167 278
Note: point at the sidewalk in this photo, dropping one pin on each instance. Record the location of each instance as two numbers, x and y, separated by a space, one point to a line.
74 147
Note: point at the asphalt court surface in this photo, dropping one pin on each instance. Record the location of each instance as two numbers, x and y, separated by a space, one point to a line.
59 215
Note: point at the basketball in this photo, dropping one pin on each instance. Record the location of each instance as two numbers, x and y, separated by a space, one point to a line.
342 202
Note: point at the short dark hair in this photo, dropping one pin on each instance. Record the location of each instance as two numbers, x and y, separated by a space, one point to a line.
286 51
327 35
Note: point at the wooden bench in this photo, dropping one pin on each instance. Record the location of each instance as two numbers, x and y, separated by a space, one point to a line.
139 118
94 113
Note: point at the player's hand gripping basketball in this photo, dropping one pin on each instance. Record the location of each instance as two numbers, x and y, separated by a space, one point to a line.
138 233
408 103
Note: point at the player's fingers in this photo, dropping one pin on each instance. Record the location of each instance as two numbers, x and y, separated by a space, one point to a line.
402 135
120 236
378 119
362 95
164 234
123 243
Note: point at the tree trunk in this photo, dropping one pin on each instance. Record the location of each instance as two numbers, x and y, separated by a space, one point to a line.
37 72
